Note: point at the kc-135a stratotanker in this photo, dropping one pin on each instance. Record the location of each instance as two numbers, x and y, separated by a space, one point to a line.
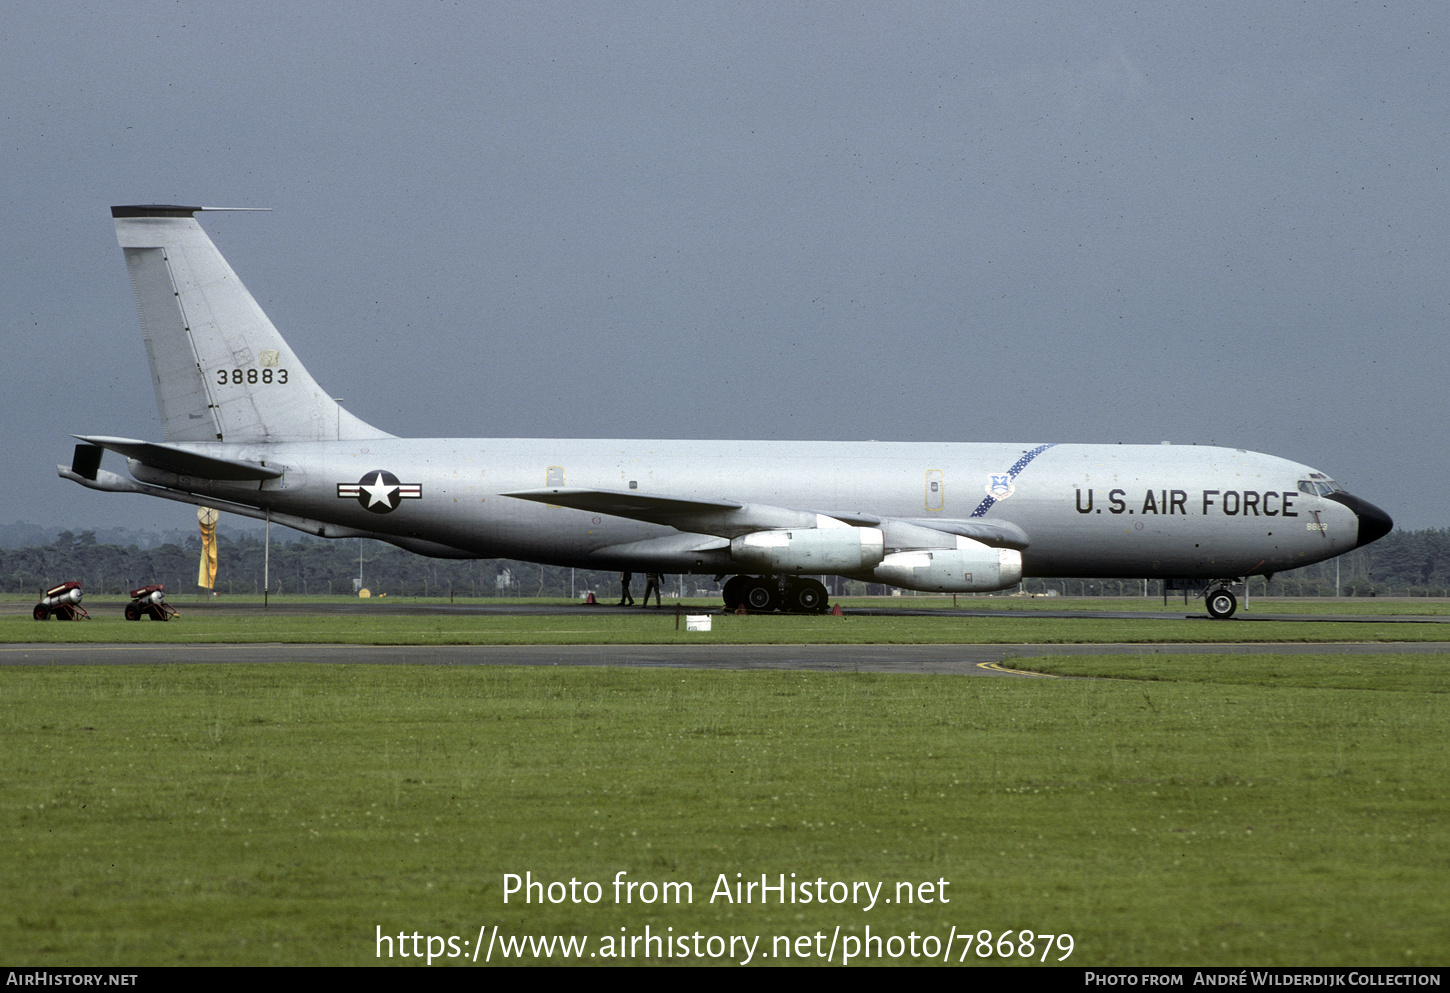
247 430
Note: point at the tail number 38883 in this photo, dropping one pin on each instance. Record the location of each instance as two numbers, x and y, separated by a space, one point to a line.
250 377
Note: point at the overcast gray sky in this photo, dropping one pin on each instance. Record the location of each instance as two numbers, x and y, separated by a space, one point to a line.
1085 222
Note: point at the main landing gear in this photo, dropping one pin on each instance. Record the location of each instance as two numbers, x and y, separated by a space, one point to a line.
791 594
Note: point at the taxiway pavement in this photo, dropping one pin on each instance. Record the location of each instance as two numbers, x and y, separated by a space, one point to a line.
976 660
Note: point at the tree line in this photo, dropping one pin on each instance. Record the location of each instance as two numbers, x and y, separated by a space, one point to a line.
303 565
1403 563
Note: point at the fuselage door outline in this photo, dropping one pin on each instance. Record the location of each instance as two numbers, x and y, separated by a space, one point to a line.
935 490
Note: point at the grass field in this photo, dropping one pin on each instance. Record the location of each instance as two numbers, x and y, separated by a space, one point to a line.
394 624
1209 810
1174 607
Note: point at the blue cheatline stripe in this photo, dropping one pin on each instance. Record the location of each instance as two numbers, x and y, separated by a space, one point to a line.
1017 467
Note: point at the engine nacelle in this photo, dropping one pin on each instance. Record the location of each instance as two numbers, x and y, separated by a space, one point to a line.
832 547
971 567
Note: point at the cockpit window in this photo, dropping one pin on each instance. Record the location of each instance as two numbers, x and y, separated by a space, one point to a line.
1319 484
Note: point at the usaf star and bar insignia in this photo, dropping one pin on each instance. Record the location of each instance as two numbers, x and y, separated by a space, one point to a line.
380 492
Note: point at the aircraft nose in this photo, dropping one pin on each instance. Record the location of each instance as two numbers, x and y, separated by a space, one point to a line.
1373 522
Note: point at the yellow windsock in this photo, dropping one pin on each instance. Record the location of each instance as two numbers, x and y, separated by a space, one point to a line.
206 572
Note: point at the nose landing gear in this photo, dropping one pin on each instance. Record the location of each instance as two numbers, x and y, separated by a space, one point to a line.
1221 603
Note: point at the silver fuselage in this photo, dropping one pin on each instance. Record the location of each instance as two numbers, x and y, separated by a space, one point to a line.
246 429
1086 510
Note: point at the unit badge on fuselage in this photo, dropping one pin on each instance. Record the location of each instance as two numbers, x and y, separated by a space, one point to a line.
380 492
1000 486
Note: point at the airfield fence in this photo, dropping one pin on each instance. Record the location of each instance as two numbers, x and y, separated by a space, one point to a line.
1404 563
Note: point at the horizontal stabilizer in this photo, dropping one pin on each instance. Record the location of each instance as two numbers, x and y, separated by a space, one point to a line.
181 461
110 482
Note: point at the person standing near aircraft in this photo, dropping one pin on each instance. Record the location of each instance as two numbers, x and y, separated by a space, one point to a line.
625 599
652 582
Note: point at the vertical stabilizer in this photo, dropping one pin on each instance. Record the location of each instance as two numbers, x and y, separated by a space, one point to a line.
221 370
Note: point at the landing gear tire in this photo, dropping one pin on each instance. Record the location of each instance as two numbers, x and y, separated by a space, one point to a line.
1221 604
760 595
809 597
734 591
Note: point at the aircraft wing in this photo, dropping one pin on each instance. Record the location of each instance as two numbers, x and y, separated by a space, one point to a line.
729 519
169 458
722 518
997 534
623 503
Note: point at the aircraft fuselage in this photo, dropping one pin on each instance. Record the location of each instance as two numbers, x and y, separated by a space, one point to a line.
247 430
1086 510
